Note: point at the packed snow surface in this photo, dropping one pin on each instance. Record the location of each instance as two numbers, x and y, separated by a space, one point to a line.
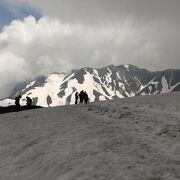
125 139
7 102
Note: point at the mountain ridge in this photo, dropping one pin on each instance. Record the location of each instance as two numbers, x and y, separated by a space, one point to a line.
105 83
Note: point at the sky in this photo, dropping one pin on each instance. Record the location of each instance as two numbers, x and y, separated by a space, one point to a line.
38 37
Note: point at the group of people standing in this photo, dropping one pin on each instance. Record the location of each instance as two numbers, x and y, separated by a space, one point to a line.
82 97
17 102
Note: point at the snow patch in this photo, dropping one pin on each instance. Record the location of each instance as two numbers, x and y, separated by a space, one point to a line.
7 102
165 87
30 84
126 66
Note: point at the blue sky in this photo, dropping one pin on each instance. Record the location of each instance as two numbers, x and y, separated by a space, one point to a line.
10 11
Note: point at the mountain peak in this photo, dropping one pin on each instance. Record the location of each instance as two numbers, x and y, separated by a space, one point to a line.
100 83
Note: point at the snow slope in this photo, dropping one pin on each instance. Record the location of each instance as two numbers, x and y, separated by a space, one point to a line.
123 139
106 83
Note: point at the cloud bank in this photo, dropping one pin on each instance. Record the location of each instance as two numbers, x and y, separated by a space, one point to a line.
31 48
74 34
109 11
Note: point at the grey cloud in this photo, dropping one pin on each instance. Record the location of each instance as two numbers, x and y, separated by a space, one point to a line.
103 11
78 33
159 18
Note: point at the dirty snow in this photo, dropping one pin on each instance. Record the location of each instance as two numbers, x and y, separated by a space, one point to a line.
125 139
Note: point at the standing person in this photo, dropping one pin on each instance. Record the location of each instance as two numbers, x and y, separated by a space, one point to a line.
81 96
28 101
76 97
17 102
85 98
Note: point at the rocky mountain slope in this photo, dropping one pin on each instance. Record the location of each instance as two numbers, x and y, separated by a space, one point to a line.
101 84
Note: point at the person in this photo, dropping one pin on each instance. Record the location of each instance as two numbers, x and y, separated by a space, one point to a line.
86 98
76 97
81 96
28 101
17 102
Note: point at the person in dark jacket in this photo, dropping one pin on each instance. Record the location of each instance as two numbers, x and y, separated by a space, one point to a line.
76 97
17 102
28 101
86 98
81 96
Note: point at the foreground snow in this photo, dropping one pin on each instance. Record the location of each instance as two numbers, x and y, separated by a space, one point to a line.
125 139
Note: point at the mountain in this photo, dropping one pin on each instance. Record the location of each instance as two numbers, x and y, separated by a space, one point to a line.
101 84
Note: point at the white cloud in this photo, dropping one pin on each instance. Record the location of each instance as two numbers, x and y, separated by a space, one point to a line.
13 69
32 48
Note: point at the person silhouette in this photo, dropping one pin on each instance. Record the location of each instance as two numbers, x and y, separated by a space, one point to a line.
76 97
85 98
81 96
17 102
28 101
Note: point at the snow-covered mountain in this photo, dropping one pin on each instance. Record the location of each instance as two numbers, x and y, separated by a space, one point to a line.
101 84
